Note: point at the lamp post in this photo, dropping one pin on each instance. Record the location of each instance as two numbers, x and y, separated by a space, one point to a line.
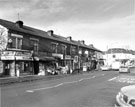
79 60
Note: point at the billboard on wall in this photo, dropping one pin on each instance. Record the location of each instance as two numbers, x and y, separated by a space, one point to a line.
3 38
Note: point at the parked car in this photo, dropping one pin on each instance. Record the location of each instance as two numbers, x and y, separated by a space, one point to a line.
126 97
124 69
116 65
105 68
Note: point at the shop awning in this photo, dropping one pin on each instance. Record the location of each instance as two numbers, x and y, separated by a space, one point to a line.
44 58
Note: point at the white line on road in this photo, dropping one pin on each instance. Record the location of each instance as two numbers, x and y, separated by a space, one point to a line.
70 82
103 74
93 76
112 79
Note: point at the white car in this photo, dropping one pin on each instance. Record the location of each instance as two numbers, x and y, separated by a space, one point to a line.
126 97
124 69
105 68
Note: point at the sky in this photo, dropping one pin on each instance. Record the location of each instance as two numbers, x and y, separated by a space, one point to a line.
103 23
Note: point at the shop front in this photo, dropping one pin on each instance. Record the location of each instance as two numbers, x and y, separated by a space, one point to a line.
44 65
60 59
65 63
24 63
7 63
15 63
76 64
69 63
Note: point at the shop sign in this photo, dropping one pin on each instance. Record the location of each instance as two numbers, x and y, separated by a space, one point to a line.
8 53
67 57
57 55
7 57
23 56
3 37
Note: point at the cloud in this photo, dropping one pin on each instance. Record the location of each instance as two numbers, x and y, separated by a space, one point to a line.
95 21
53 11
117 30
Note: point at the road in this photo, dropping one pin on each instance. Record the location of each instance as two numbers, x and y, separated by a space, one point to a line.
97 89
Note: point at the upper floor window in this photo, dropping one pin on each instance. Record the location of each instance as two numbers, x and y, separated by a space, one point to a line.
63 49
15 41
34 44
54 47
73 50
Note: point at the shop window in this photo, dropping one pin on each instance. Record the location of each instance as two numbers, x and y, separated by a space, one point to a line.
25 67
54 47
34 44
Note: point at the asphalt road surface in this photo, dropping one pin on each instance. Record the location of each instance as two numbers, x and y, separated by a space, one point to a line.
97 89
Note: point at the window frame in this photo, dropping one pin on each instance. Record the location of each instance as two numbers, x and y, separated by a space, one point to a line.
35 44
56 46
65 49
18 40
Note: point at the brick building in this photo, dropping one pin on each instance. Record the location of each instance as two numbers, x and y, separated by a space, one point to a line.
28 51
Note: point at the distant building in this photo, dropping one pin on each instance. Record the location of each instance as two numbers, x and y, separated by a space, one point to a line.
116 54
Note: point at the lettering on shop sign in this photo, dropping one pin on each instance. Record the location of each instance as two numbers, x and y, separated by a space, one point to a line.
3 37
28 54
57 55
7 55
23 56
67 57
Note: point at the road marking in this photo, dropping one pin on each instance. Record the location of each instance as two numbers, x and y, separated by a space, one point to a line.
70 82
45 88
112 79
80 80
128 80
103 74
93 76
58 85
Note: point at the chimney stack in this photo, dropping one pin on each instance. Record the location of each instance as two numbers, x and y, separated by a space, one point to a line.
50 32
69 38
19 23
91 45
82 42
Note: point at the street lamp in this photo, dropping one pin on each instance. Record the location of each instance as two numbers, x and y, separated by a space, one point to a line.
79 57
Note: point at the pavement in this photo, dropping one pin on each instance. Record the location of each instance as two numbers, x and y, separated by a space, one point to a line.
28 78
31 78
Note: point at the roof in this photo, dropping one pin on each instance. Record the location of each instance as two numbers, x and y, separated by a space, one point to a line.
78 43
36 32
120 50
